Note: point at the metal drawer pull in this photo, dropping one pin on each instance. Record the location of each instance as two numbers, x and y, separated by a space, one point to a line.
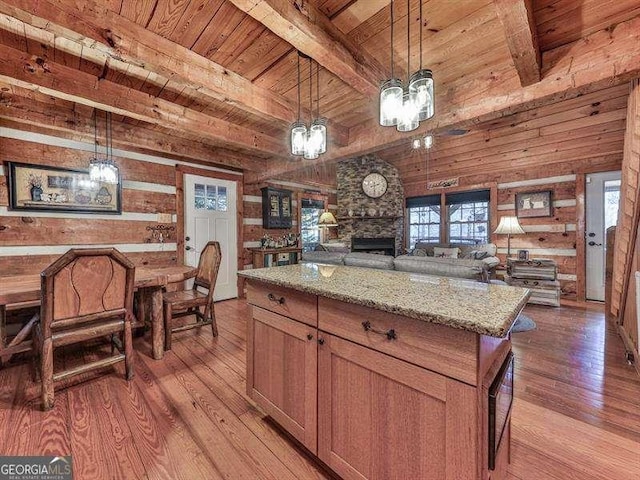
526 282
273 298
390 334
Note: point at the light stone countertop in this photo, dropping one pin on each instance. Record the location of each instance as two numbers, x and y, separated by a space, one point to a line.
465 304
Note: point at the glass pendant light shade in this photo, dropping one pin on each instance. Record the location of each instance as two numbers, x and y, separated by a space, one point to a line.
311 151
409 115
421 85
318 132
298 138
390 102
103 171
428 141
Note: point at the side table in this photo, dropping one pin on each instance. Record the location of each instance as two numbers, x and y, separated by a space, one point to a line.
538 275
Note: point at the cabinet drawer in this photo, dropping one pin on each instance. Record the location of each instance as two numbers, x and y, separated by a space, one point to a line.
439 348
297 305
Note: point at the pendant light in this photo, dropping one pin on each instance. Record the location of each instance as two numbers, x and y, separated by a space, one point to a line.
390 92
103 170
298 129
409 119
421 85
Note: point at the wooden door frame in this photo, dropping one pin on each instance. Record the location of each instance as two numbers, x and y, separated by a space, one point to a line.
181 171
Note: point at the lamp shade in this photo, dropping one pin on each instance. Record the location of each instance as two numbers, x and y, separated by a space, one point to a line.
421 86
509 225
327 220
390 102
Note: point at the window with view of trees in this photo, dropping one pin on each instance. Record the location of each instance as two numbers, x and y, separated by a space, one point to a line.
310 232
467 218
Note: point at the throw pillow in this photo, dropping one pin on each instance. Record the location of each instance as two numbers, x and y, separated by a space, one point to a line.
418 252
445 252
476 255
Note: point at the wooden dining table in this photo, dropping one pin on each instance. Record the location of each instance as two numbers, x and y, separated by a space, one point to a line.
149 282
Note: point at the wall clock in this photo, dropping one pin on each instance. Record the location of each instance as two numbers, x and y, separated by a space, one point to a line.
374 185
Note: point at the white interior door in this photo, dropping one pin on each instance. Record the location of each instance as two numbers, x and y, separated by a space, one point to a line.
602 198
210 214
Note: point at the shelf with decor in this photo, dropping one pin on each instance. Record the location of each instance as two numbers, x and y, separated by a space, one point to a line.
273 257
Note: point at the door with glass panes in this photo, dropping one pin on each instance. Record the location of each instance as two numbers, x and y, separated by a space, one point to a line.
210 214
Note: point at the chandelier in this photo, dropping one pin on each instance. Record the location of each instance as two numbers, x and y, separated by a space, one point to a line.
402 107
103 170
309 142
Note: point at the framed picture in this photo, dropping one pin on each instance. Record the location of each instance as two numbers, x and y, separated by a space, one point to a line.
45 188
534 204
523 254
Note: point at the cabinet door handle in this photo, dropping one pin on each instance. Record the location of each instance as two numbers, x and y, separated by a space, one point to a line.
309 336
321 341
390 334
273 298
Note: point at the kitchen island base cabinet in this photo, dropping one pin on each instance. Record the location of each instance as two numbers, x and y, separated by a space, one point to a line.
381 418
282 372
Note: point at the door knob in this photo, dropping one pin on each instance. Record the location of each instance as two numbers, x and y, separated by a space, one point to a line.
594 244
591 234
187 247
187 238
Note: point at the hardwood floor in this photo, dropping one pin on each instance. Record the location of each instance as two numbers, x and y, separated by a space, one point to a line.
576 414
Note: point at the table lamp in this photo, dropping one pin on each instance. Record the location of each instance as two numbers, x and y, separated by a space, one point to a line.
509 226
327 220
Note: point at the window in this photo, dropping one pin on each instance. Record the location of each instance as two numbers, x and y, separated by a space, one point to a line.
310 233
424 219
467 218
210 197
611 202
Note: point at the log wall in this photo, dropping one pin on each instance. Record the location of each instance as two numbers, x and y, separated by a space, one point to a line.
549 148
29 241
252 222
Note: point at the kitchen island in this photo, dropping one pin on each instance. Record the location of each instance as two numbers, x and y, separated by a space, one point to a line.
385 374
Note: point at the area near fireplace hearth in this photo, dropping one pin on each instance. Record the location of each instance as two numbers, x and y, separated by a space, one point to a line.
363 217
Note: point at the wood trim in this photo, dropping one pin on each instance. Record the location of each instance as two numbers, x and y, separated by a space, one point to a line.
493 211
179 215
581 265
628 345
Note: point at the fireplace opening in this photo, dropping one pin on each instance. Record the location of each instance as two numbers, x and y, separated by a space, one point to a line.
382 246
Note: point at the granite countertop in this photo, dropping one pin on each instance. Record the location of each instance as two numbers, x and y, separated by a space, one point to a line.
465 304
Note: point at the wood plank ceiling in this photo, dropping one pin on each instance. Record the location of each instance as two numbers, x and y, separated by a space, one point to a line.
222 83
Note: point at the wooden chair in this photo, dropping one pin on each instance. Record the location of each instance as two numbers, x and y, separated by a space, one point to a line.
86 294
188 302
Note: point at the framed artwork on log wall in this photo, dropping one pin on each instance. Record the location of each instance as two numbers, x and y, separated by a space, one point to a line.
55 189
534 204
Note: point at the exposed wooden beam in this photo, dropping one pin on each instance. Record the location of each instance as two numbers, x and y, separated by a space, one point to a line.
520 29
99 33
306 28
602 59
35 73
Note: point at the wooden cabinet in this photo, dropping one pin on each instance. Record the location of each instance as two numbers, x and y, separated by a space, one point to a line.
374 395
538 275
383 418
282 372
273 257
276 208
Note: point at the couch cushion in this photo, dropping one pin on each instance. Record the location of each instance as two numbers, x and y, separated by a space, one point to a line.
332 258
446 267
369 260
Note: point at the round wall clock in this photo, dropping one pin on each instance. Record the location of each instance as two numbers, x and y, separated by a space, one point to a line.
374 185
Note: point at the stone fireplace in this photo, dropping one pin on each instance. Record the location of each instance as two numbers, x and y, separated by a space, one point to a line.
381 245
360 216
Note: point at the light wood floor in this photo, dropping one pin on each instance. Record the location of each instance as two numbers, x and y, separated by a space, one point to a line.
576 415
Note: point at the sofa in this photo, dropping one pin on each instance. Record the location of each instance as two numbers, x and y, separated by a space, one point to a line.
422 260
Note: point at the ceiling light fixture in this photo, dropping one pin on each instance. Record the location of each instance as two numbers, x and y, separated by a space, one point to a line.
406 108
309 142
103 170
423 142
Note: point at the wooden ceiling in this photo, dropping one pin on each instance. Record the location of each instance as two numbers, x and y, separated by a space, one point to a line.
218 78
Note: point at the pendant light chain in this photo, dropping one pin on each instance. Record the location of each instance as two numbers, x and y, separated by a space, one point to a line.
392 39
420 34
409 40
298 86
